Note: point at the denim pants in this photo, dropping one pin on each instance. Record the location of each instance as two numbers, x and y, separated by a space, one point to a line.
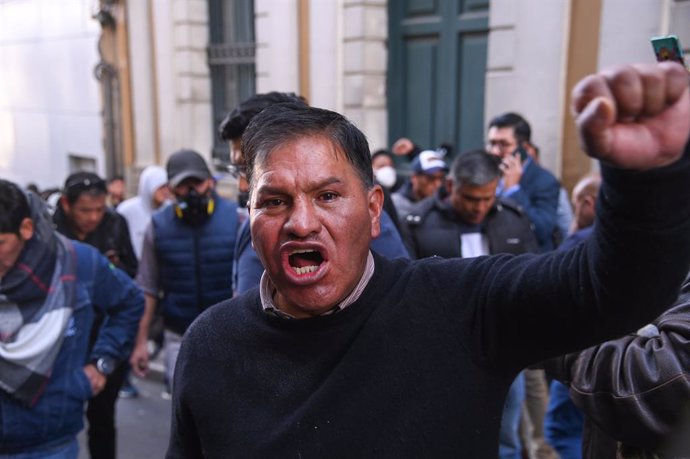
509 446
69 450
171 347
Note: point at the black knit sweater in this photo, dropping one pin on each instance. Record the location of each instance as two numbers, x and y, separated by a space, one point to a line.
420 364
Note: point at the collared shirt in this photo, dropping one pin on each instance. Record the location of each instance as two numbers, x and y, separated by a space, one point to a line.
267 290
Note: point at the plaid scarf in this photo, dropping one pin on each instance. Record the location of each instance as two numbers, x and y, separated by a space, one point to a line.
36 301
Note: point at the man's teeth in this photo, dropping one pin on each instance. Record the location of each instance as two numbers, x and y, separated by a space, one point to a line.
305 270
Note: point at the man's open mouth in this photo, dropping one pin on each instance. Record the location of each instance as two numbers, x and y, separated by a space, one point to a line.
305 261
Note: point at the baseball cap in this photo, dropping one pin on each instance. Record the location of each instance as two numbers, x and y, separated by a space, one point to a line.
184 164
428 162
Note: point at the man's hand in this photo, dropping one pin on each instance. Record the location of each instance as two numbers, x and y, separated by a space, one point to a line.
402 146
113 256
96 379
511 166
139 360
634 117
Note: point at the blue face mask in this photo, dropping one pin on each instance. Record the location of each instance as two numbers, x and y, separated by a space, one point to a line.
194 208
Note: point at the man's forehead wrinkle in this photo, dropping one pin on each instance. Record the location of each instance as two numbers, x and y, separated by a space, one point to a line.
286 182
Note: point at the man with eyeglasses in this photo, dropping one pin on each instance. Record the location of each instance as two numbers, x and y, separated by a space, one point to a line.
247 268
524 181
83 214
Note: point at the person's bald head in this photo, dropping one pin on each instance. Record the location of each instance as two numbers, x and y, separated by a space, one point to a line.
584 200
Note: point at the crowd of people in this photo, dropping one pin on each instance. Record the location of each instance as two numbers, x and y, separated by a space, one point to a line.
417 302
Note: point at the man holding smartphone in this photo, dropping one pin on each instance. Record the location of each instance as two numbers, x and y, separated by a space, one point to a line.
524 181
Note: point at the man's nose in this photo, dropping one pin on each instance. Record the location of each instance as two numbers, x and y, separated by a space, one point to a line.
94 216
483 207
303 219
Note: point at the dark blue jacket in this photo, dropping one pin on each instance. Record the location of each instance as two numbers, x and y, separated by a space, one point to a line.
538 197
58 414
248 268
194 262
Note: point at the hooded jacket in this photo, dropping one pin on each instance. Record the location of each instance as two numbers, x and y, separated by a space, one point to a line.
138 210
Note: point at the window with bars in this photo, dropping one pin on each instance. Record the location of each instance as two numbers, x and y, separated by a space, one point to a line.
231 57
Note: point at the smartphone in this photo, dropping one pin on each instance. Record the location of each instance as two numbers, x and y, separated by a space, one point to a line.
667 48
521 152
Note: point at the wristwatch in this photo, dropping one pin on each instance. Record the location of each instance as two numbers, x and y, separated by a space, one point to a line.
104 365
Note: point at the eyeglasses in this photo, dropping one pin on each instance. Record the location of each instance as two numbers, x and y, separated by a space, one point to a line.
500 144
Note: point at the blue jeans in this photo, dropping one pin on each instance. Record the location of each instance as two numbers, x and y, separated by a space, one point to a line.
509 446
69 450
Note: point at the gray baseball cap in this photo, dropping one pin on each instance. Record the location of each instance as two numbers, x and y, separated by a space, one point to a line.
184 164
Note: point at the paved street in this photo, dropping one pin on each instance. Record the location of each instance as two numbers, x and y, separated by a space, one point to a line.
143 424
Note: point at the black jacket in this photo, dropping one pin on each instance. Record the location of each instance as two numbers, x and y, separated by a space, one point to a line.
635 389
434 228
112 234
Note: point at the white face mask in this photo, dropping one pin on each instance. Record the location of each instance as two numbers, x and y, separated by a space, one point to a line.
386 176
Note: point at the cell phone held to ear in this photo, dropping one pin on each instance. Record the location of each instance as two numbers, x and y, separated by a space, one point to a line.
521 152
667 48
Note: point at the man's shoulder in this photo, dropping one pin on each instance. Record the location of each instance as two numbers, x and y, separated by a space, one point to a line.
420 211
159 216
88 259
537 175
509 215
506 204
129 206
225 202
83 250
225 319
400 196
113 222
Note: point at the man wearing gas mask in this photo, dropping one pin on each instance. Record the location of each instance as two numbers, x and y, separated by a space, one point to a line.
186 261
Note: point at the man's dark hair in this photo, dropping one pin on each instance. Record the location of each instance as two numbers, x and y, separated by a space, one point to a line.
381 152
475 167
521 128
81 183
235 122
282 123
14 207
115 178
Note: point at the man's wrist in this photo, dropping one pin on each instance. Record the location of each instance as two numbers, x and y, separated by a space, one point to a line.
104 365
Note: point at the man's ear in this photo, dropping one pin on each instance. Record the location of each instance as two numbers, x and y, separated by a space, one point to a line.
375 209
64 203
26 229
449 186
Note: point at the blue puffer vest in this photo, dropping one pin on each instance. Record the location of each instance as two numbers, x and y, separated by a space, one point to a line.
194 263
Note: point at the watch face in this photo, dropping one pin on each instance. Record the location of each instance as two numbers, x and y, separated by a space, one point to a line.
105 365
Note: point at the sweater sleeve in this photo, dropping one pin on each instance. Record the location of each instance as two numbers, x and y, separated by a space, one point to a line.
521 310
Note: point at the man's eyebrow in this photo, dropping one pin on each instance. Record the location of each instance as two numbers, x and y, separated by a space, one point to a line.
313 185
267 189
327 182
